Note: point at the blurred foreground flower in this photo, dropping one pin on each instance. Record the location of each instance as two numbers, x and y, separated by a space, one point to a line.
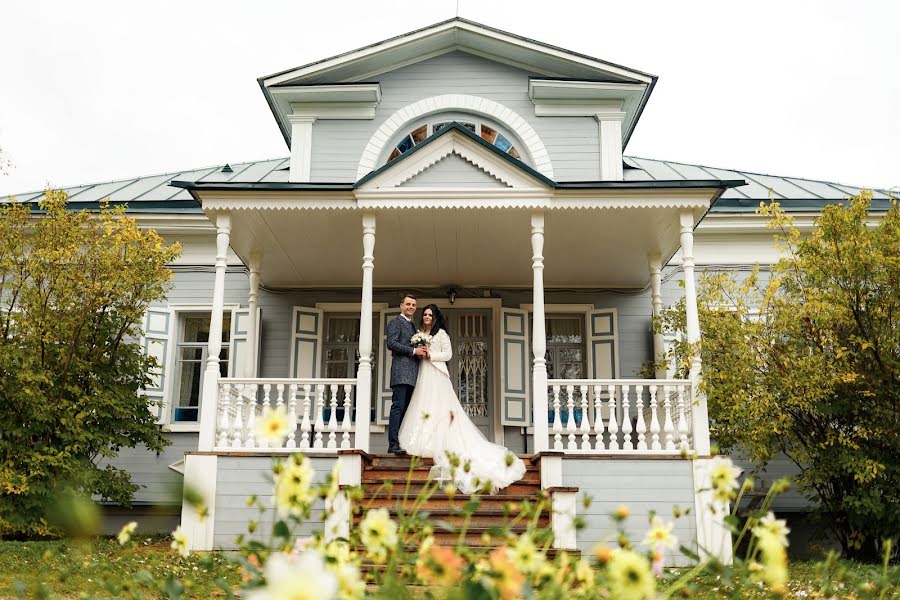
723 476
508 579
180 542
777 527
438 565
629 576
272 426
294 492
302 577
126 532
378 533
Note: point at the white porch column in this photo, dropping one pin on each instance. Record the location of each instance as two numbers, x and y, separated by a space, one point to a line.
610 123
538 336
364 374
252 325
209 397
655 262
699 415
301 147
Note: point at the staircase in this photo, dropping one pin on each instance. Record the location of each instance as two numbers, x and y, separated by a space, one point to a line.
445 511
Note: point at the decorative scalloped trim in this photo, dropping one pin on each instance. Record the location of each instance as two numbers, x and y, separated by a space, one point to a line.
453 150
425 203
458 102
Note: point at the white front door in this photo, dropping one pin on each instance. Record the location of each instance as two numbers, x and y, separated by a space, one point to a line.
471 367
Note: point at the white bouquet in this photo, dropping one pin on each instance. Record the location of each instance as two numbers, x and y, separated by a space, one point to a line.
420 339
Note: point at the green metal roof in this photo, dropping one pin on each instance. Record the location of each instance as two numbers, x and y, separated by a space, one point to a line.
155 193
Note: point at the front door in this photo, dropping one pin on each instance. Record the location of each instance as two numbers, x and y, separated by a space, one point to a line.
471 368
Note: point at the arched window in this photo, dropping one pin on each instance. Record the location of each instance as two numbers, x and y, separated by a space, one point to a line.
487 132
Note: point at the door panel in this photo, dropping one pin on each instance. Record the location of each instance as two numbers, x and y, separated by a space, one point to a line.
471 368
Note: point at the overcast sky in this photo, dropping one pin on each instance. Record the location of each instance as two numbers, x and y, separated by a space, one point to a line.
95 91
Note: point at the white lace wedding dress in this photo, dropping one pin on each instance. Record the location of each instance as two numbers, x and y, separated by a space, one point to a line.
436 426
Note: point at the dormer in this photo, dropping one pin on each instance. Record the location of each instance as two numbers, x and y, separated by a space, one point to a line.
557 82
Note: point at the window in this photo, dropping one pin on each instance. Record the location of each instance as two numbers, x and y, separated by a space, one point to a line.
565 357
487 132
190 362
341 354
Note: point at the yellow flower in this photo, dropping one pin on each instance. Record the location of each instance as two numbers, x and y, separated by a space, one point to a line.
350 584
509 580
723 478
180 542
293 486
660 534
777 527
290 577
525 555
378 533
773 558
622 513
272 427
629 576
603 554
126 531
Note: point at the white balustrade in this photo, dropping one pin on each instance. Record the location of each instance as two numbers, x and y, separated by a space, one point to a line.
312 406
620 416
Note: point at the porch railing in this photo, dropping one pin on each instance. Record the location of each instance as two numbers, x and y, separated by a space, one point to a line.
620 415
319 413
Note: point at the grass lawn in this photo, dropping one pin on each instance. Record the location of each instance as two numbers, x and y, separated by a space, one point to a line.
66 570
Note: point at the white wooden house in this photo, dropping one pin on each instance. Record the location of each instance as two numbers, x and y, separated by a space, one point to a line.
484 172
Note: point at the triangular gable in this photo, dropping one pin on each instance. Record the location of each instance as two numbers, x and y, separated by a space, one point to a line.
454 170
458 142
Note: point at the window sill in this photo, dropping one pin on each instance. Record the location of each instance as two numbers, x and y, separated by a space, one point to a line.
182 427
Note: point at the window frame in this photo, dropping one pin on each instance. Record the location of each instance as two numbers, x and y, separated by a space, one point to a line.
352 350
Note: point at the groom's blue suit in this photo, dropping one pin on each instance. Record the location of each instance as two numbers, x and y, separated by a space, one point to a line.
404 372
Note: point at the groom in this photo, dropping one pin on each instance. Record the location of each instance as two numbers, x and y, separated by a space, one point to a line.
404 368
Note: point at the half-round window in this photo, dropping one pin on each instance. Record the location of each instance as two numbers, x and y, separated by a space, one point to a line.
423 132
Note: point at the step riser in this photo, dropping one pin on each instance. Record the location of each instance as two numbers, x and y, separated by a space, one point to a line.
475 521
404 476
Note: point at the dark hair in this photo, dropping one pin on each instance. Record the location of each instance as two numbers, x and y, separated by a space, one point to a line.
406 295
438 321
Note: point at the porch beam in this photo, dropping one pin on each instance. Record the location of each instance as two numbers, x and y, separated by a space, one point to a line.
538 336
364 372
208 399
699 413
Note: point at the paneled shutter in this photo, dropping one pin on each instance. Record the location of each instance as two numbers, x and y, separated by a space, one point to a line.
602 346
515 372
306 342
383 399
158 326
240 345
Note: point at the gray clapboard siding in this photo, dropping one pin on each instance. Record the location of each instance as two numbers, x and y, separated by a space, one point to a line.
572 142
644 486
237 479
455 171
160 485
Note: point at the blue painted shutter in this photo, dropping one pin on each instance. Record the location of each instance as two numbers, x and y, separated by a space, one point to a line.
383 398
158 326
306 342
602 343
515 372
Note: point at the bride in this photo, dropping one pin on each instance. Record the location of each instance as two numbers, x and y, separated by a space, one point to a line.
435 425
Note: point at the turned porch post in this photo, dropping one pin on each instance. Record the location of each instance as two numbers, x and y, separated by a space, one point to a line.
699 415
364 374
252 324
656 305
538 336
209 398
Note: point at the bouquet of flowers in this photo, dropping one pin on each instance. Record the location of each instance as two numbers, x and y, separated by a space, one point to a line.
420 339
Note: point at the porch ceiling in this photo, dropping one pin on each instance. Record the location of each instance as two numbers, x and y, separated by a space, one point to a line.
478 248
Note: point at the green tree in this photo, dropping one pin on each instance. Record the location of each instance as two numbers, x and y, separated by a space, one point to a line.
73 290
806 362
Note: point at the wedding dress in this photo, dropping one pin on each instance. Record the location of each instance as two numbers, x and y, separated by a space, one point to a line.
437 427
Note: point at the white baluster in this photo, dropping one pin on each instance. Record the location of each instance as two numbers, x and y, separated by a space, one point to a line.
251 415
237 433
224 422
641 427
305 424
557 421
292 417
627 442
570 422
279 395
346 424
613 424
585 424
332 418
682 422
266 405
598 418
654 420
668 427
319 423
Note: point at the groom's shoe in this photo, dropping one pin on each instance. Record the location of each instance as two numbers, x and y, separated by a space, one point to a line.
398 451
